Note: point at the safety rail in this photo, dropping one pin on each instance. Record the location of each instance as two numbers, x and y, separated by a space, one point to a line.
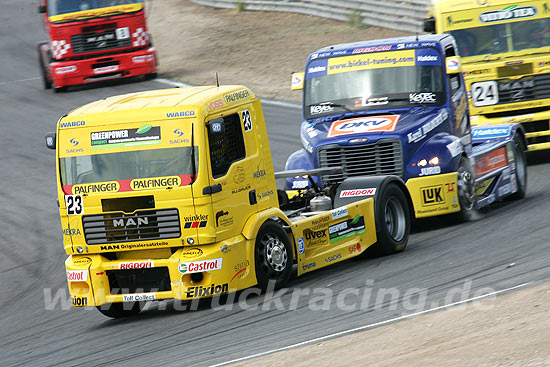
404 15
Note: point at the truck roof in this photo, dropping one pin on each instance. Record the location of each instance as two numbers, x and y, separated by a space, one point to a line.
382 42
446 6
147 104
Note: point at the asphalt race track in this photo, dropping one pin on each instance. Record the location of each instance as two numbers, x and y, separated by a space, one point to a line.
507 247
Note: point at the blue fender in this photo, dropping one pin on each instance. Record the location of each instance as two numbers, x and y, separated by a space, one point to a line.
448 148
300 159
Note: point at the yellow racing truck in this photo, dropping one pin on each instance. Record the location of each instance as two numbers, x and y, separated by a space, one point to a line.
171 194
505 49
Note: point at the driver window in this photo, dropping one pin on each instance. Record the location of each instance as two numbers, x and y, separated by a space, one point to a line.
226 147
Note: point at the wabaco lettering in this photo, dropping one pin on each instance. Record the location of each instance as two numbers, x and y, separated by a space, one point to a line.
201 291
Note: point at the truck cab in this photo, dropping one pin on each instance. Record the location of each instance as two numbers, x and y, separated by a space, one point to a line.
504 47
395 106
94 40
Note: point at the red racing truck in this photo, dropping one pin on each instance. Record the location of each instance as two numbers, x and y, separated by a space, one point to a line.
94 40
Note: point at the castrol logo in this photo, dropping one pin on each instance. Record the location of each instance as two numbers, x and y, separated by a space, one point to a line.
77 275
363 125
200 266
357 192
137 265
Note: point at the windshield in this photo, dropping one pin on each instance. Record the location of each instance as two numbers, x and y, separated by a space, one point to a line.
56 7
129 165
501 38
380 87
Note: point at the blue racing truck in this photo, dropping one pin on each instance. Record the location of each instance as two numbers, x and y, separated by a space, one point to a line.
399 107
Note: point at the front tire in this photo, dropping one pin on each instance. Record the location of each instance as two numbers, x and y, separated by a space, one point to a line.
393 217
272 255
520 161
119 310
46 82
466 187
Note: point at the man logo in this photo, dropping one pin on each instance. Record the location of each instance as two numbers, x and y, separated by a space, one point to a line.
132 221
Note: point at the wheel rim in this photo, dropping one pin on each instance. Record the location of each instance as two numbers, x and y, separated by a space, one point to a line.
466 188
276 256
396 222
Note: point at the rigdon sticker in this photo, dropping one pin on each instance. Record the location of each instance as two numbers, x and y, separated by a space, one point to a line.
363 125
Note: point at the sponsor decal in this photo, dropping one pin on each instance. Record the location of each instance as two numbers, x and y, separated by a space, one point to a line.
453 64
241 270
354 248
153 183
71 232
428 171
260 172
195 224
297 81
241 189
106 69
422 98
180 114
72 124
504 190
427 56
200 266
130 221
371 49
131 246
139 297
240 175
315 237
509 13
222 219
82 261
455 148
262 195
236 96
212 290
347 229
145 135
79 301
111 186
317 69
142 59
218 103
333 258
65 69
432 195
357 192
491 162
191 253
77 275
318 109
309 266
147 264
301 246
368 102
339 212
302 184
450 186
371 61
490 132
421 133
363 125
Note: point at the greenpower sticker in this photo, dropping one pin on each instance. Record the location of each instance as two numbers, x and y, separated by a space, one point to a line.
346 229
145 135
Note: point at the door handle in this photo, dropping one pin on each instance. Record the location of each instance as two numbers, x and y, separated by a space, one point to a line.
209 190
252 197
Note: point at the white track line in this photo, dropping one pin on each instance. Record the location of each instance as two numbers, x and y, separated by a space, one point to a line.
368 326
266 101
19 80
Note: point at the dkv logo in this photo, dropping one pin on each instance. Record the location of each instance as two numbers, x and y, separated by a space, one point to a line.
362 125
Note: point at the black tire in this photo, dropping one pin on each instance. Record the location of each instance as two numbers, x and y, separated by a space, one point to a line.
466 189
45 81
393 219
150 76
273 256
520 160
119 310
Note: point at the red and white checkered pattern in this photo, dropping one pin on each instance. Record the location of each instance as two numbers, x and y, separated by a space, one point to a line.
60 48
140 37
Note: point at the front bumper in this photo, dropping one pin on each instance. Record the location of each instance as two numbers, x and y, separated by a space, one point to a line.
434 195
95 280
65 73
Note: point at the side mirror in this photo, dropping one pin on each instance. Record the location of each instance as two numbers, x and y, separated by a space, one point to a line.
51 140
297 81
42 9
429 25
454 65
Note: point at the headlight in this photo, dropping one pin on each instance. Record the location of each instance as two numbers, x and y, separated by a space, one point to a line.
434 161
422 163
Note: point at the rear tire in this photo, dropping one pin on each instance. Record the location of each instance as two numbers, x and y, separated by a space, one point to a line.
119 310
44 72
393 217
272 255
466 187
520 161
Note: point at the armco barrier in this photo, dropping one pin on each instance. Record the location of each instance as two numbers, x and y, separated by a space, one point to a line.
404 15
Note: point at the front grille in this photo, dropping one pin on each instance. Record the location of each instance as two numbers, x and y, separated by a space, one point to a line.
139 280
524 89
143 225
90 42
385 157
514 70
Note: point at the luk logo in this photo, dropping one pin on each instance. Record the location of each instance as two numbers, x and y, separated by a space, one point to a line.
363 125
432 195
